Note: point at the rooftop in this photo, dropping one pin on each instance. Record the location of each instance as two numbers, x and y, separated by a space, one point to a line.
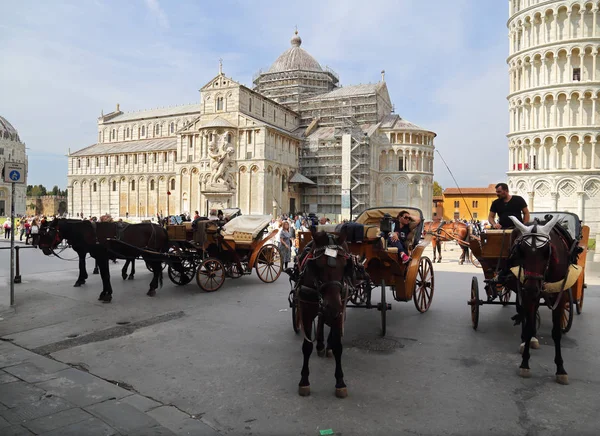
156 113
349 91
295 58
489 190
144 145
396 122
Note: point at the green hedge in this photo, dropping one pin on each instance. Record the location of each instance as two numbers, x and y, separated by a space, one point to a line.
591 244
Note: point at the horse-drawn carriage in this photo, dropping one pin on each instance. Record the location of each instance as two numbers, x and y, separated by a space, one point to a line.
492 250
212 250
413 280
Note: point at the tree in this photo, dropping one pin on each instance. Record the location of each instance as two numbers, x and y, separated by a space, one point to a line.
29 188
55 190
437 189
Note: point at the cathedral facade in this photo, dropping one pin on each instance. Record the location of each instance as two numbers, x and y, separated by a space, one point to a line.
295 142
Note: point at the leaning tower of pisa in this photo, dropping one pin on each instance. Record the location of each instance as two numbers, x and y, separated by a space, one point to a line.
554 154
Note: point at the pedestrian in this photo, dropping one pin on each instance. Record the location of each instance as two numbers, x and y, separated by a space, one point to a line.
35 230
22 228
7 229
285 243
27 231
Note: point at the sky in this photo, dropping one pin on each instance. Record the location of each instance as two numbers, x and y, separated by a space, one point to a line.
63 62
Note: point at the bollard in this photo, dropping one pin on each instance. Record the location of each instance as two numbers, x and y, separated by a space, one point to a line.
597 250
18 270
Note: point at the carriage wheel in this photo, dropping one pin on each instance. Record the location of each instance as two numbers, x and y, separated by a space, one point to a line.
474 260
579 304
295 316
211 274
567 319
474 303
186 273
382 306
268 263
505 296
233 270
424 285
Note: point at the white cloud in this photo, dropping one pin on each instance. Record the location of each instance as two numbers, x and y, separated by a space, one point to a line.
158 13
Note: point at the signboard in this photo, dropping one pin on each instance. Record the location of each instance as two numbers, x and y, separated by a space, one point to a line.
14 172
346 199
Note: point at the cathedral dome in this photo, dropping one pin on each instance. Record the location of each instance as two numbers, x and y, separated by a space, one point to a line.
7 131
295 58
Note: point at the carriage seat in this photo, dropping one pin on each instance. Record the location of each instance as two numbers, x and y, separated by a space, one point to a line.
240 238
329 228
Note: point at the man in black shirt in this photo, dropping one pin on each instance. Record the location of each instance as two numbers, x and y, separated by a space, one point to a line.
505 206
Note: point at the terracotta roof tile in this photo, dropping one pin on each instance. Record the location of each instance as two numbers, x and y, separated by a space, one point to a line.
490 189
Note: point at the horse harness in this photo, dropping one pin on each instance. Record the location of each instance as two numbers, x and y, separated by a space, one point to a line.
537 241
332 252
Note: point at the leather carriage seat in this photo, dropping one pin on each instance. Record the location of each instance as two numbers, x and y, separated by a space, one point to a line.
372 231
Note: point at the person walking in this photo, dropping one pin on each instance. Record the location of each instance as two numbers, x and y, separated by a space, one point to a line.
7 229
22 228
285 243
35 230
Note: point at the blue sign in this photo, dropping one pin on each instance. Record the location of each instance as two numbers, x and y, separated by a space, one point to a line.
14 175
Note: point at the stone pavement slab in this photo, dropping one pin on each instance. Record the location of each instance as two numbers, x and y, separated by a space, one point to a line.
181 423
57 420
17 393
36 369
89 427
15 430
6 378
81 389
121 416
36 409
141 403
13 355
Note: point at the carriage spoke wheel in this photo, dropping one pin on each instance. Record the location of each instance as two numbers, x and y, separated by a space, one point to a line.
383 308
268 263
233 270
183 273
474 260
211 274
474 303
580 301
567 319
295 316
424 285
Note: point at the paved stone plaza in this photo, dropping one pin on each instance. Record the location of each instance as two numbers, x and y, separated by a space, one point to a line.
188 362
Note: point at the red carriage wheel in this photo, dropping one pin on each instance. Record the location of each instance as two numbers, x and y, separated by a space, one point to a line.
211 274
268 263
424 285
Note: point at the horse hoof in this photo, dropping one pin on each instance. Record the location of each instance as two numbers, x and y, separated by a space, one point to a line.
304 391
329 353
124 276
562 379
78 283
535 344
105 298
130 276
341 392
151 293
524 372
321 353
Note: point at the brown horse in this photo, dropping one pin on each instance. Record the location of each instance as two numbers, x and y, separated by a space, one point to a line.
323 290
105 241
445 232
540 256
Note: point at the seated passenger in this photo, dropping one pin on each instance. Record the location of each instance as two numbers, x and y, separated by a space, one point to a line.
399 233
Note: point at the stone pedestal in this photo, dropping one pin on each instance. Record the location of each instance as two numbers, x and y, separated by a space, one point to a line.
219 197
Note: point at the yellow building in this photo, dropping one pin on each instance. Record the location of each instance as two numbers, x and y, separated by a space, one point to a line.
468 203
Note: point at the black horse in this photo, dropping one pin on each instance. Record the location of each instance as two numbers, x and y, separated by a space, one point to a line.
323 290
108 240
540 256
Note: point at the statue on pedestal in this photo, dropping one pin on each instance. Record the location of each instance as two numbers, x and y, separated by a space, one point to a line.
222 162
